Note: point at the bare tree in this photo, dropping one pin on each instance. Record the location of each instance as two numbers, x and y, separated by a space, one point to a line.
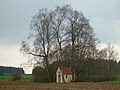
59 20
111 53
43 36
111 56
82 39
73 31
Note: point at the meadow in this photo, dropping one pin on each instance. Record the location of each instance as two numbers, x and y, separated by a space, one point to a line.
24 77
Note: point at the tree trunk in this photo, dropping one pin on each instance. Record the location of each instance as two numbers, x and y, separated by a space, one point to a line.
108 71
63 76
47 70
48 74
61 55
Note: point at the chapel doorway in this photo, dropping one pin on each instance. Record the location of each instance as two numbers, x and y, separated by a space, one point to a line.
59 78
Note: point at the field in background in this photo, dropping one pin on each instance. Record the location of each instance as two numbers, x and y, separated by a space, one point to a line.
27 77
5 77
24 77
117 79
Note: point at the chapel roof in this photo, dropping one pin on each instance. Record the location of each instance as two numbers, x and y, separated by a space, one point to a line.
67 70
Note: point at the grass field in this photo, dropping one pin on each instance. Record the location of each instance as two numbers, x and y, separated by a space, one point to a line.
24 77
5 77
27 77
117 79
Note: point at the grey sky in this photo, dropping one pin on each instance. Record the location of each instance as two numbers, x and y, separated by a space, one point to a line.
15 17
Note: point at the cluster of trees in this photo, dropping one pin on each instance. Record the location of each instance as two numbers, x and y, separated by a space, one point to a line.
10 70
66 36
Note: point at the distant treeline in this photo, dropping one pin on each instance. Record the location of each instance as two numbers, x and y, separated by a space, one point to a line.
4 71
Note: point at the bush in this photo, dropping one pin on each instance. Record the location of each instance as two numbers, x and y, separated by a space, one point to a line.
39 75
16 76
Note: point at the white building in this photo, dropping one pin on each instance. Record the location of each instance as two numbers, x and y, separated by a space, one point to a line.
67 73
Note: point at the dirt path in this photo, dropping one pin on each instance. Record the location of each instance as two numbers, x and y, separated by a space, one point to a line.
25 85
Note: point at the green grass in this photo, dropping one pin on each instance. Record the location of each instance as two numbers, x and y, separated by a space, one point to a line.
5 77
118 76
117 79
24 77
27 77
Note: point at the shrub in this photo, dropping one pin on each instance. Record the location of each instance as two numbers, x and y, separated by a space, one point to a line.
39 75
16 76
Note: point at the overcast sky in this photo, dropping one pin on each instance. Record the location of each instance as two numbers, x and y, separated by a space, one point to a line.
15 17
